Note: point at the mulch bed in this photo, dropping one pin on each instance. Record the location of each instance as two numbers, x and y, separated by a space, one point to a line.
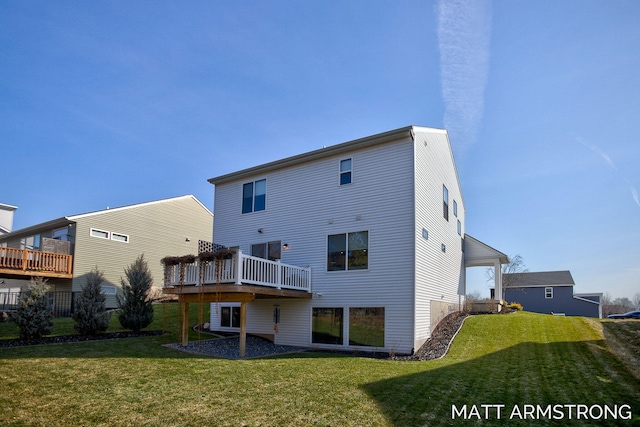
438 344
62 339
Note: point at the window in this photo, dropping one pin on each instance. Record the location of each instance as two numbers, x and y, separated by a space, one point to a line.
455 208
120 237
548 293
445 202
108 290
348 251
366 326
99 233
230 317
327 326
459 228
254 196
61 234
345 171
271 250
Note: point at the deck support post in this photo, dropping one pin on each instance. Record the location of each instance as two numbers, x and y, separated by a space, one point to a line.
185 323
243 328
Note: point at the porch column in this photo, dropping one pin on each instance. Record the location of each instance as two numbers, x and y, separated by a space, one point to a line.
243 328
185 323
498 280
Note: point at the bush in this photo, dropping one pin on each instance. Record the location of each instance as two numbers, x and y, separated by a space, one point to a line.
134 302
34 316
91 316
514 306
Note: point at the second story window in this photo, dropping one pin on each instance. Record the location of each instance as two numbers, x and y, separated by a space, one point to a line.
254 196
345 171
348 251
455 208
445 202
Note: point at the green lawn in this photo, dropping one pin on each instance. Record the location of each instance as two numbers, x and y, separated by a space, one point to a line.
511 360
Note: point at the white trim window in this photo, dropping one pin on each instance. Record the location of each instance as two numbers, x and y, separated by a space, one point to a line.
445 202
548 293
230 316
346 167
348 251
120 237
254 196
100 234
108 290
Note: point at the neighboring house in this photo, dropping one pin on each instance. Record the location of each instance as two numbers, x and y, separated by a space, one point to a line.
65 249
6 218
376 228
551 292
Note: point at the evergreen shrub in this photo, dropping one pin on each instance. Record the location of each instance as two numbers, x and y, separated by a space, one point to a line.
136 309
34 316
90 314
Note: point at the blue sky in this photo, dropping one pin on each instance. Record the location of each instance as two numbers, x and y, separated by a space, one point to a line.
115 103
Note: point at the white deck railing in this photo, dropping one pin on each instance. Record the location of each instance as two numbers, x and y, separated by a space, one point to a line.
251 270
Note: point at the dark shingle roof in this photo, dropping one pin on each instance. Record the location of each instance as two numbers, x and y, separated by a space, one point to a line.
542 278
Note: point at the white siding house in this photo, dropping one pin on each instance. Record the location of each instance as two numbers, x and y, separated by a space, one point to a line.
380 223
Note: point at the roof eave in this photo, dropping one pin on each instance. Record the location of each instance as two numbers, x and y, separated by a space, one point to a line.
381 138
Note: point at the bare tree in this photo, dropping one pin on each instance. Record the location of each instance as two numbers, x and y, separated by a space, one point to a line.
636 300
515 265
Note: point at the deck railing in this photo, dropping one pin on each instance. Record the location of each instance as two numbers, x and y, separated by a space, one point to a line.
249 270
33 262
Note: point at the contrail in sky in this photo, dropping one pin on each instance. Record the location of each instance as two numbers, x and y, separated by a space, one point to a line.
464 35
607 158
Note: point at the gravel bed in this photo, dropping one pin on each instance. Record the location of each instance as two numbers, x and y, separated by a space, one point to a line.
229 348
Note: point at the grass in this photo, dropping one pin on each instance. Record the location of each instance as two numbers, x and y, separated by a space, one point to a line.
513 360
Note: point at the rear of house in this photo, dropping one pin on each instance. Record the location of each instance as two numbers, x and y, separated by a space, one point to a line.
380 223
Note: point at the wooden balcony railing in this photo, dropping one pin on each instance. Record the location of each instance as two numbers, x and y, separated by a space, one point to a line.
35 263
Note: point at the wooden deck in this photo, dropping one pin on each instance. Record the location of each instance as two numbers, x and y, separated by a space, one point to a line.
22 262
238 278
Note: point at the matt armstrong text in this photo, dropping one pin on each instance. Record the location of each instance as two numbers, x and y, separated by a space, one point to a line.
496 411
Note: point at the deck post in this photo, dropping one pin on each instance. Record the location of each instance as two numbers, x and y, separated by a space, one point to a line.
185 323
278 274
243 328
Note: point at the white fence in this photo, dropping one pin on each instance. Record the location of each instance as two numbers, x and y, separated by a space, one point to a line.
251 270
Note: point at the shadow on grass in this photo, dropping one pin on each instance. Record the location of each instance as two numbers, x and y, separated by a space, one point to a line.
560 373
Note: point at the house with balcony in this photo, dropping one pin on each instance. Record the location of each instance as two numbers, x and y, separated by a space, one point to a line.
65 249
355 246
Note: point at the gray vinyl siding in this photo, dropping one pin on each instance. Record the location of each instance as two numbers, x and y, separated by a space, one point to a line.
154 229
305 204
439 276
